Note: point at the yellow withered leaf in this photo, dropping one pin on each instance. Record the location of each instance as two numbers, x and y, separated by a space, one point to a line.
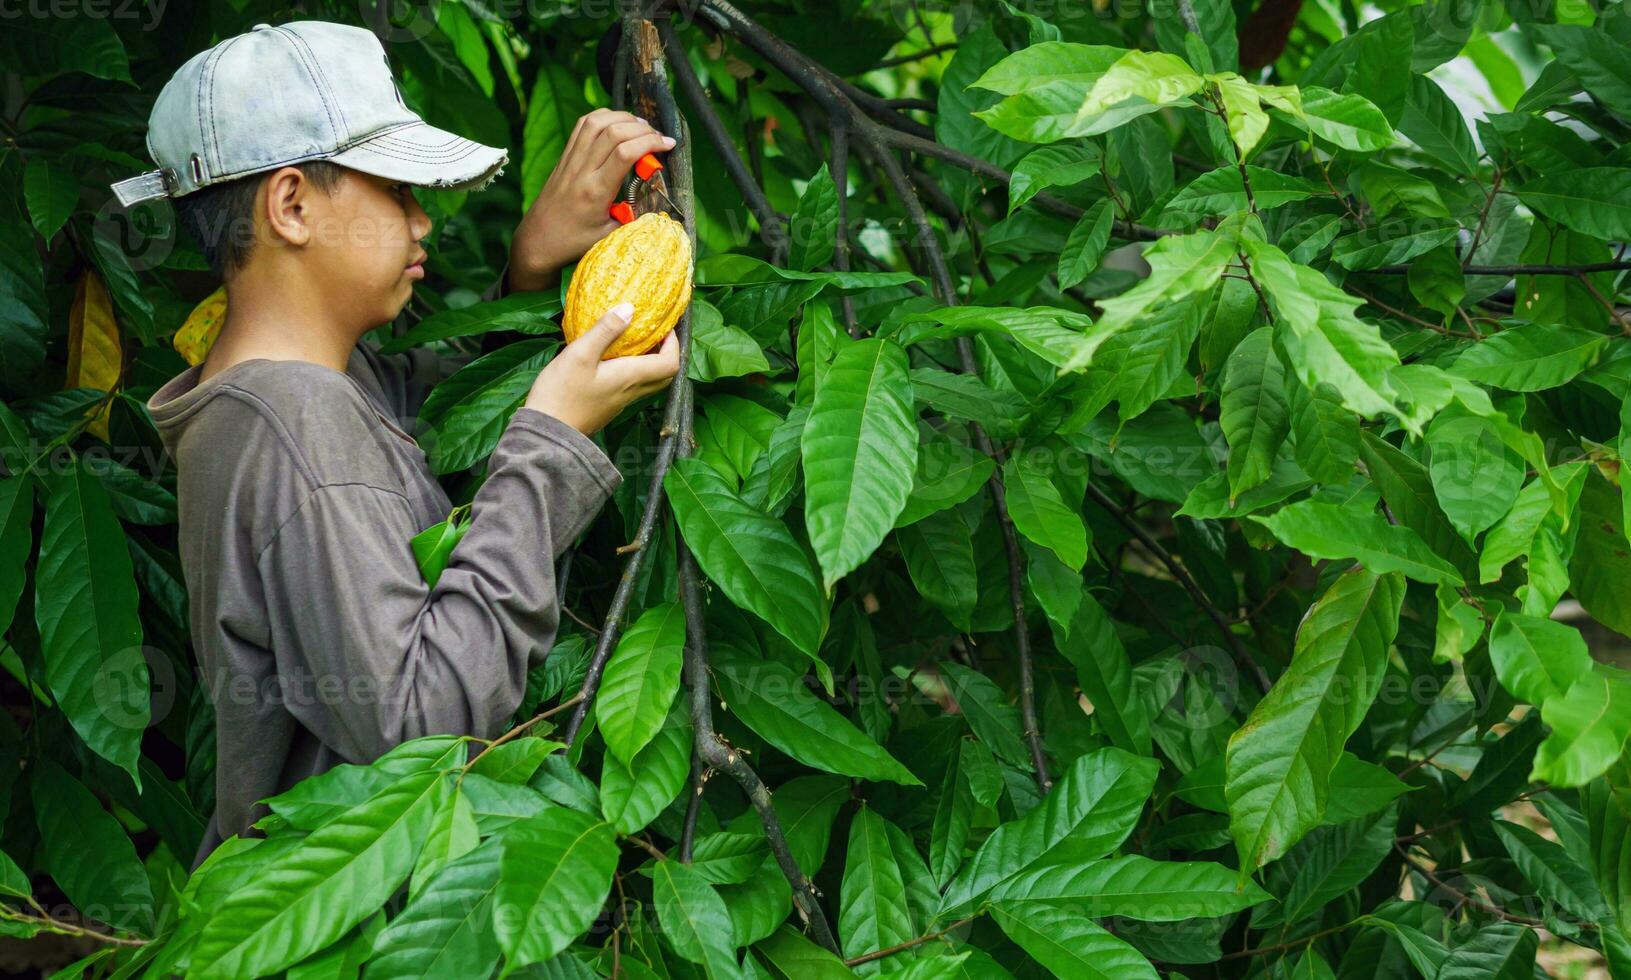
197 335
95 356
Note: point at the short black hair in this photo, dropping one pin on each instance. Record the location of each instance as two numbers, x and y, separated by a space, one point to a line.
220 217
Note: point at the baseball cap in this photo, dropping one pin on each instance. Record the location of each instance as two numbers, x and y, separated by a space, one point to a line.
302 91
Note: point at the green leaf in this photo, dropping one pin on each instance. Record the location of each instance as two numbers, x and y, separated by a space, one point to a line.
447 928
313 894
1180 265
1596 60
1476 476
727 858
1040 513
1553 873
776 704
631 796
1253 410
51 193
526 312
1052 334
1051 166
553 110
1222 191
1390 243
1326 530
737 270
554 874
1536 658
794 957
939 557
1434 122
1279 763
953 818
1590 723
641 680
1133 887
985 705
750 555
1325 341
1105 674
1090 811
1498 951
1070 945
1085 245
1325 435
814 224
468 412
1530 357
86 851
1328 863
859 449
872 911
1350 121
16 542
694 920
86 608
1593 200
720 350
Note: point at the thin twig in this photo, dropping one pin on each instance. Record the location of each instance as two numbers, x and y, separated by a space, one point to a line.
879 954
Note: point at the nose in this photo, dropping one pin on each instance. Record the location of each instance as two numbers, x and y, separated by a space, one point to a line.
419 222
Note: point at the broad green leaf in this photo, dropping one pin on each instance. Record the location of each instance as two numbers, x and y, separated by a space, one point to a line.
953 818
1053 334
1222 191
993 719
872 911
1326 530
1132 887
1325 341
739 270
553 109
1553 873
694 919
1326 864
1590 723
1105 674
453 834
1071 945
859 448
1084 248
447 928
1530 357
1244 107
1476 476
727 858
1041 514
1408 491
948 473
1498 951
1051 166
468 412
1279 763
16 542
86 851
554 874
85 606
1180 265
1152 76
1253 410
721 350
939 557
750 555
1090 810
1390 243
793 957
313 894
776 704
1607 809
51 193
1536 658
632 795
1593 200
641 680
1349 121
814 223
526 312
1433 121
1150 358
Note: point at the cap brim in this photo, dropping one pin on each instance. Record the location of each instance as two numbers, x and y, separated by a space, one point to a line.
424 155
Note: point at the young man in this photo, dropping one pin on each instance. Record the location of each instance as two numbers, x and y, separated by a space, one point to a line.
289 152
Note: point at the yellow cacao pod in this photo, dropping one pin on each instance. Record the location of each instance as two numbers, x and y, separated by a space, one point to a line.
646 262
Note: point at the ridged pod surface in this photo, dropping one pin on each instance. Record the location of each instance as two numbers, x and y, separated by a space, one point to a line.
646 262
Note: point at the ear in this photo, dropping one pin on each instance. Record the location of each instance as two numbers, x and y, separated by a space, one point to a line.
285 200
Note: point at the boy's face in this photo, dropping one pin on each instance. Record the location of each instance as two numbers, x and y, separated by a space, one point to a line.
365 248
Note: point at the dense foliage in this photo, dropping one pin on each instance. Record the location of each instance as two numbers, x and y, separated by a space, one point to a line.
1034 607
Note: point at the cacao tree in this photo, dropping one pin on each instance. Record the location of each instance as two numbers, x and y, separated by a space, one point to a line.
1142 497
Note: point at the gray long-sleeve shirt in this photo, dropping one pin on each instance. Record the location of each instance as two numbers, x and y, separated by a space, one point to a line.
299 490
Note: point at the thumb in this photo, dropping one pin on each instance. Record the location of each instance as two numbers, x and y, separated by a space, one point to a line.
607 329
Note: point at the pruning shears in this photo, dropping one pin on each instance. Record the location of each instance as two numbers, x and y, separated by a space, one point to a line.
646 178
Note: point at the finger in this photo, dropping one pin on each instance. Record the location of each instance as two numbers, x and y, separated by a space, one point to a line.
659 366
623 156
614 137
608 328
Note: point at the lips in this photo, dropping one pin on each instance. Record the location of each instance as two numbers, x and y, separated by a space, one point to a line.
416 268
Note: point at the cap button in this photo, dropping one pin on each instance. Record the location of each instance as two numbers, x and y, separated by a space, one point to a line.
261 27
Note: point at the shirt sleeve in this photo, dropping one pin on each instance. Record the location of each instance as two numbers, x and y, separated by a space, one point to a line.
370 656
